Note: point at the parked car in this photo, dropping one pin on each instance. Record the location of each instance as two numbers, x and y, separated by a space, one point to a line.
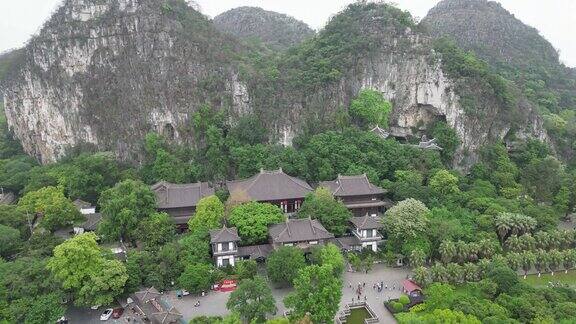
106 315
117 312
95 307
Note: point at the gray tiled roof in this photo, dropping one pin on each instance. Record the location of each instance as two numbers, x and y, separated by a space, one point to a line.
92 221
255 251
345 242
298 230
170 195
270 185
352 186
380 132
79 203
224 234
366 222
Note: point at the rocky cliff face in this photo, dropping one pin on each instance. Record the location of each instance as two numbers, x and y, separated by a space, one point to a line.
277 30
105 73
396 58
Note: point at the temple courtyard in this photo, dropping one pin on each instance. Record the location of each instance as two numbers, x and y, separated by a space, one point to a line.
214 303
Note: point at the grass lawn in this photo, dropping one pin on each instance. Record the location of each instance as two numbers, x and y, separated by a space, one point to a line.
559 276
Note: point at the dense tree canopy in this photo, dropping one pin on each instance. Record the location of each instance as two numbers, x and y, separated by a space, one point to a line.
55 210
123 207
209 215
332 213
156 230
252 300
252 220
407 220
370 108
79 266
317 292
283 265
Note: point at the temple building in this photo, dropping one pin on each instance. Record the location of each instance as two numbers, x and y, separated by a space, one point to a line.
365 235
180 200
359 195
274 187
224 242
301 233
382 133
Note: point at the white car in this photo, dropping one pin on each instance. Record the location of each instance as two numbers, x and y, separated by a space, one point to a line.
106 315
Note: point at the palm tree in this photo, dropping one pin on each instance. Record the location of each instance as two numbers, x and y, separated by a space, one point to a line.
566 238
541 262
461 251
470 271
422 276
529 224
483 266
447 251
527 242
488 247
528 259
554 240
514 260
473 251
542 240
502 224
555 258
438 273
417 258
569 260
455 273
514 243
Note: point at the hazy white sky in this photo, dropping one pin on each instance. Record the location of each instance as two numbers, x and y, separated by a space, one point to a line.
555 19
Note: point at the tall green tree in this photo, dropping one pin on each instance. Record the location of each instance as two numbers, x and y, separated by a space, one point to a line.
78 264
370 108
123 207
10 241
252 220
317 292
330 254
209 215
447 139
408 184
332 213
407 220
156 230
55 209
196 277
444 184
283 265
87 175
252 300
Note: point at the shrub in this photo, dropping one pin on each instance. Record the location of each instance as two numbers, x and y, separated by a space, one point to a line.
404 300
396 306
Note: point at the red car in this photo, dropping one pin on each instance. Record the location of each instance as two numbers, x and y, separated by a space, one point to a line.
117 312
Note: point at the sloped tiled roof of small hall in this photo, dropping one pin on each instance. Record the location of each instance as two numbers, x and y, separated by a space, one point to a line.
270 185
171 195
352 186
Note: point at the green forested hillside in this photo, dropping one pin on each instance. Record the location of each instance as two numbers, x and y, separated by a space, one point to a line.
518 53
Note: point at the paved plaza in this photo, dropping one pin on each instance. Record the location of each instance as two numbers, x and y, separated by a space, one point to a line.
391 277
214 303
